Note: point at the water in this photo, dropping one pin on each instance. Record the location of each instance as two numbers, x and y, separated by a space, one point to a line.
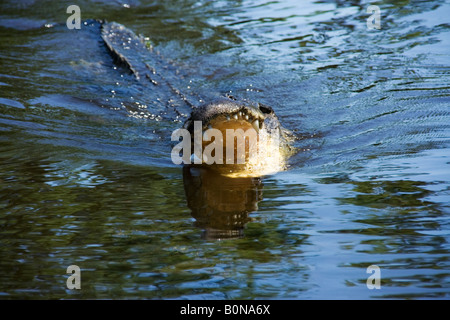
86 176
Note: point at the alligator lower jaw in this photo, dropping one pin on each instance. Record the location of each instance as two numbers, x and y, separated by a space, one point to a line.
253 132
236 133
259 148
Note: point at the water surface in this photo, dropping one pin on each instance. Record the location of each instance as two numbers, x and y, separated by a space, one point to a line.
86 176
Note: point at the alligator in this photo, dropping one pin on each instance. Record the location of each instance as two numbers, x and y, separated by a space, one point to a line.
270 147
220 194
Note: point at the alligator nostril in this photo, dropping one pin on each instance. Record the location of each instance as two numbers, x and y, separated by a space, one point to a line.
229 96
265 109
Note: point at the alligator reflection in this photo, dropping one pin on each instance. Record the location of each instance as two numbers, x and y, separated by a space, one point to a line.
219 204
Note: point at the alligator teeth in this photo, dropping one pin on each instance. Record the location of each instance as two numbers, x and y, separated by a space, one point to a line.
240 114
228 118
246 117
235 117
255 125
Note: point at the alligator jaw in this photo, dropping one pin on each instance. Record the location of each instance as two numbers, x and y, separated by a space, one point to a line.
242 119
253 155
228 113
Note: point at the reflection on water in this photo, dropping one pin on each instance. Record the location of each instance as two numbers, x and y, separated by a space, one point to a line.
220 204
86 176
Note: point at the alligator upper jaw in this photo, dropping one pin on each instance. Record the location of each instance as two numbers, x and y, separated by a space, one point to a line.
227 114
242 119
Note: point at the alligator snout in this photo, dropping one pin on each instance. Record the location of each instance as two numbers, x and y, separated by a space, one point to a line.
244 138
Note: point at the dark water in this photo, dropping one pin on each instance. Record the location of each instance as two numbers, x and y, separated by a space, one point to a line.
86 177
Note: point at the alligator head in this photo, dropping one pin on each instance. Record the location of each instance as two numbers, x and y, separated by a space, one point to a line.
260 146
242 138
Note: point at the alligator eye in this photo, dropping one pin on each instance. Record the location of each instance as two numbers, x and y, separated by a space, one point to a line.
265 109
229 96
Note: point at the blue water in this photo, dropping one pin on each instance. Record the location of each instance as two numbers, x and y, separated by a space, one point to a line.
86 177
